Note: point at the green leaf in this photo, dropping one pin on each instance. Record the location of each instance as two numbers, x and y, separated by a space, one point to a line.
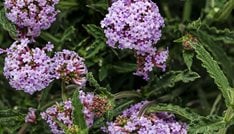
217 52
9 113
68 33
225 35
169 80
7 25
103 72
95 31
188 58
127 94
206 125
78 115
183 112
225 11
44 96
213 69
95 48
99 7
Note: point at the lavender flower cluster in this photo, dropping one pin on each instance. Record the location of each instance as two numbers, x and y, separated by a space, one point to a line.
136 25
31 16
62 112
153 123
31 69
70 67
27 69
31 116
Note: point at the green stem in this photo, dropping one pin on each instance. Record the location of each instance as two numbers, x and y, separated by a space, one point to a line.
127 94
166 10
217 100
64 97
23 128
49 37
187 10
67 4
228 117
225 11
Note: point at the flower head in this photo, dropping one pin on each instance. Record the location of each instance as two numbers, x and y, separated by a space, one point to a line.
26 68
70 67
133 24
145 64
130 122
31 16
63 112
31 116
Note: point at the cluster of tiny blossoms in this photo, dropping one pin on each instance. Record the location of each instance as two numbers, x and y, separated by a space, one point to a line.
31 16
62 112
153 123
146 63
70 67
28 69
136 25
31 69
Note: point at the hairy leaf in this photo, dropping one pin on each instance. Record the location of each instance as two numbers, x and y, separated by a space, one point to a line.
183 112
212 68
95 31
78 115
188 58
206 125
169 80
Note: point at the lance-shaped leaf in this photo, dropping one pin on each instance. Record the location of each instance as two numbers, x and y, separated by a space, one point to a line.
78 115
214 70
183 112
169 80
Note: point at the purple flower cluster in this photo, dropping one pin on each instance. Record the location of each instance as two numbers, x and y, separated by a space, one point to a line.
133 24
70 67
153 123
27 69
31 69
136 25
62 112
31 116
31 16
146 63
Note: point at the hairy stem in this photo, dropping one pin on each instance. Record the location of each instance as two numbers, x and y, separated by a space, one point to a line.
64 97
187 10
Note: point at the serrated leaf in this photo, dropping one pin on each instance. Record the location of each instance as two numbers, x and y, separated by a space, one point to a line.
127 94
95 48
212 68
67 33
206 125
188 58
169 80
78 115
95 31
183 112
99 7
218 53
9 113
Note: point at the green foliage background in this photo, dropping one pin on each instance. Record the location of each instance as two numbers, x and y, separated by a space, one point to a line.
197 86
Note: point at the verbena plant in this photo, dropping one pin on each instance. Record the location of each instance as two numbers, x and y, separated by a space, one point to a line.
86 82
